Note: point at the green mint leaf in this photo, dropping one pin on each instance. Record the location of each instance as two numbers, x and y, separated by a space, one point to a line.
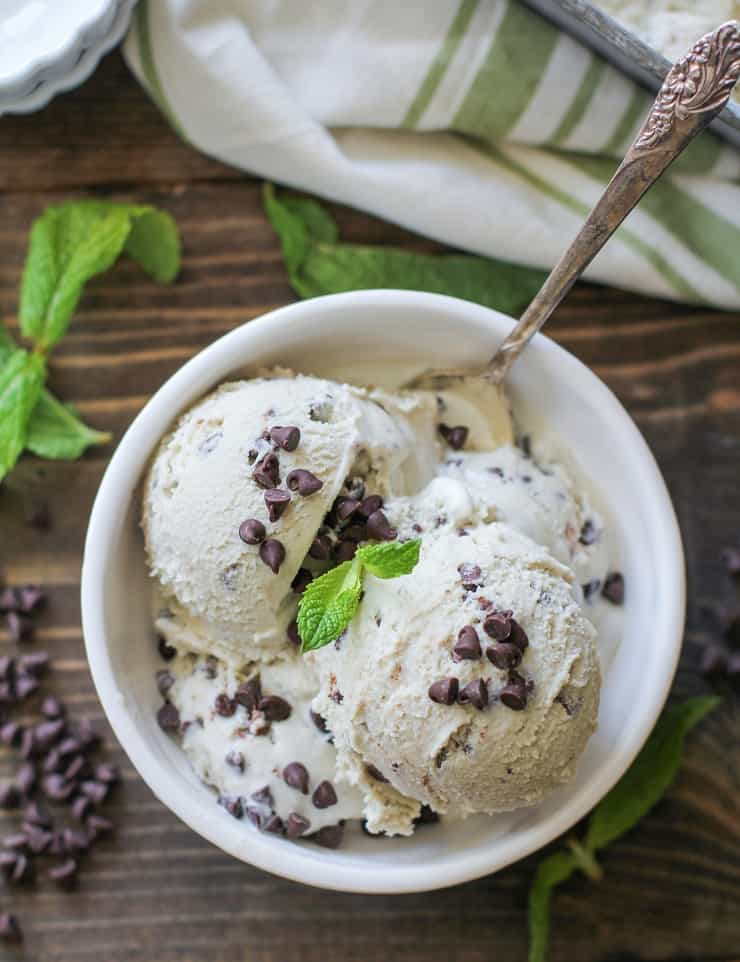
7 344
551 872
328 605
649 776
318 264
21 380
390 559
55 432
73 242
154 243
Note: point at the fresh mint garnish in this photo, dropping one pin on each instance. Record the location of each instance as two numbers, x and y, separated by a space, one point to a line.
331 601
69 244
319 263
643 785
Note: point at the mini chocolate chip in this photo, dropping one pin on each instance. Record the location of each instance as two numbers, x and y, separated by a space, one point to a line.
64 874
165 681
87 735
236 760
730 558
48 732
514 693
20 626
75 840
96 791
454 436
249 693
166 651
296 825
518 636
713 660
26 685
10 930
7 668
25 778
427 816
17 841
589 533
301 581
275 708
252 531
9 600
470 575
324 795
497 625
590 588
7 863
267 472
277 501
57 788
375 773
467 647
52 708
504 655
613 589
474 693
444 691
296 776
320 548
344 508
330 836
36 815
30 597
319 721
378 527
293 633
274 825
233 805
287 438
733 665
53 762
81 807
369 505
168 718
223 705
355 532
263 796
272 553
75 768
57 844
304 482
345 551
70 746
23 870
98 826
39 840
10 733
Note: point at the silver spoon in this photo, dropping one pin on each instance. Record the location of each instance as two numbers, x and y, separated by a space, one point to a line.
694 91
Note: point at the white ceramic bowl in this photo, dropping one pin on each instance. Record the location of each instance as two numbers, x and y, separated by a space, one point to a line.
384 328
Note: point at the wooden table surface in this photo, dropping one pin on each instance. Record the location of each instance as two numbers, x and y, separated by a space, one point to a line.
157 892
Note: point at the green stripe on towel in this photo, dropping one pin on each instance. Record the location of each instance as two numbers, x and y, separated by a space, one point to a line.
441 62
580 103
509 76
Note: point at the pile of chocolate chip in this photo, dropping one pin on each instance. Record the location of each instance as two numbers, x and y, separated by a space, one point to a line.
56 767
263 455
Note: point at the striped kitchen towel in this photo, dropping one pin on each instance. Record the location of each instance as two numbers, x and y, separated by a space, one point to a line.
471 121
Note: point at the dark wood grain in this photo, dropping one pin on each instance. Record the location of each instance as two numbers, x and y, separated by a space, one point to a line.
158 892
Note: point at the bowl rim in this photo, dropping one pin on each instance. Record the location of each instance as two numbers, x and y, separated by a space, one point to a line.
315 866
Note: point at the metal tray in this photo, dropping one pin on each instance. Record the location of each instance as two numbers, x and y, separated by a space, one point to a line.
625 51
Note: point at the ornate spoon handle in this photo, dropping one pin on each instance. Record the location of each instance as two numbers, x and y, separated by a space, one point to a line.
694 91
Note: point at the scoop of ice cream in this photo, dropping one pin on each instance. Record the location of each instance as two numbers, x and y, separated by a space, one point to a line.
391 688
534 495
275 453
260 768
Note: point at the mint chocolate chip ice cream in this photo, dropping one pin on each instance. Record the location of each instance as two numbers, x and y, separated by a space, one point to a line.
470 685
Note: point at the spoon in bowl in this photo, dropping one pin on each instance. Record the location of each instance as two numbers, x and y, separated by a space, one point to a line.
694 91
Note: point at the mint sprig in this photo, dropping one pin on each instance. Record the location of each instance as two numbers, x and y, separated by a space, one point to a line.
318 262
330 601
642 787
69 244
